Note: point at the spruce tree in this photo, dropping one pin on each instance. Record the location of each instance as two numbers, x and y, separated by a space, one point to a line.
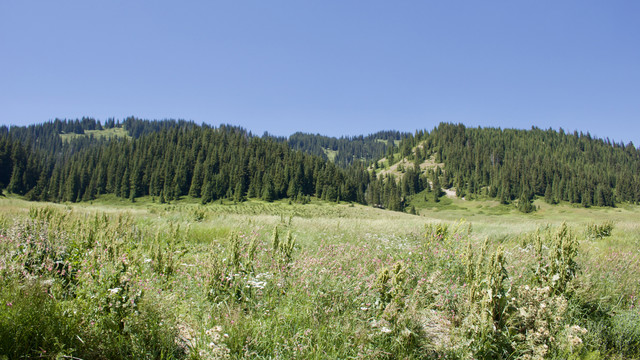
524 203
548 195
437 189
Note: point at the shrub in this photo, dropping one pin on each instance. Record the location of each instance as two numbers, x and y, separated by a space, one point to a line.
556 265
595 231
488 306
537 319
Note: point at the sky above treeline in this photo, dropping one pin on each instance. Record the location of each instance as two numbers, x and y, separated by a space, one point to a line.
330 67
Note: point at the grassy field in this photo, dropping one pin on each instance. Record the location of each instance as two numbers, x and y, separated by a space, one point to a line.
463 279
331 154
98 134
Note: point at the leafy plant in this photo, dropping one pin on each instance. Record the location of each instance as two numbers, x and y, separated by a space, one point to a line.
556 266
598 231
489 307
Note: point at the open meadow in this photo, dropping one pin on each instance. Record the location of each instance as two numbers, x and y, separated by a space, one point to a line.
112 279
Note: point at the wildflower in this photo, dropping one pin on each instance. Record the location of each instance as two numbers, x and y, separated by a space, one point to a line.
385 330
574 340
9 304
257 284
578 329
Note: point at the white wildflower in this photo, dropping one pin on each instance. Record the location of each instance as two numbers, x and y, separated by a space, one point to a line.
257 284
578 329
574 340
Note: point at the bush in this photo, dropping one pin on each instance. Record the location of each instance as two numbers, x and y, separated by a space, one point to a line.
485 326
595 231
556 265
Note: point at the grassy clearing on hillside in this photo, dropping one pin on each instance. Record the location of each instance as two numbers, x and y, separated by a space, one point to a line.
331 154
404 163
116 279
116 132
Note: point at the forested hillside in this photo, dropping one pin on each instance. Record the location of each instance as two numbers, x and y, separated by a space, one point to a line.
343 151
347 150
169 159
520 164
174 160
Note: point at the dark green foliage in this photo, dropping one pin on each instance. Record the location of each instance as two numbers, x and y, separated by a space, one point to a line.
348 150
386 192
436 187
171 160
549 198
180 158
524 204
561 167
595 231
138 127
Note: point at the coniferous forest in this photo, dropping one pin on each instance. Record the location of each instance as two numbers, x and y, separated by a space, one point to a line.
510 164
170 159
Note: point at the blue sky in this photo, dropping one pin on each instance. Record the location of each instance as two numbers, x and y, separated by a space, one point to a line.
332 67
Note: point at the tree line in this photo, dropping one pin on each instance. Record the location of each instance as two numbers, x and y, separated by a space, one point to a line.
512 164
167 163
170 159
348 149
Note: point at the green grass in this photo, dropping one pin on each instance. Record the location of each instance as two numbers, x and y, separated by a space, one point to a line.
115 132
331 154
198 289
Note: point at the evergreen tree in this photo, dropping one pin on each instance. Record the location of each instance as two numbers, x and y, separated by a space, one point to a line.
548 195
524 203
437 189
268 192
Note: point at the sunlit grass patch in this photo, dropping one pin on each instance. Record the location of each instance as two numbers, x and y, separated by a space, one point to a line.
115 132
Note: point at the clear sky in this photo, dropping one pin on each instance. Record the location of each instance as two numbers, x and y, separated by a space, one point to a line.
340 67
